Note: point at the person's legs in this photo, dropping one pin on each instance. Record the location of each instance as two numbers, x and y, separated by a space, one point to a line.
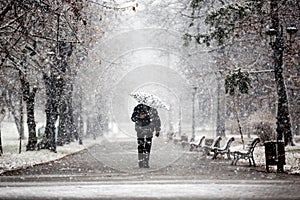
141 146
147 149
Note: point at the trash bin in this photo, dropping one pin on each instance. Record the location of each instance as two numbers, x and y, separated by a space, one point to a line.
275 154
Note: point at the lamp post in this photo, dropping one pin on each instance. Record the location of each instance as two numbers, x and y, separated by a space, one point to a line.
193 114
274 151
283 124
2 115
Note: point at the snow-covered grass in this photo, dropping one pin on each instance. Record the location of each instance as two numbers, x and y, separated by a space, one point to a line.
12 159
292 156
292 153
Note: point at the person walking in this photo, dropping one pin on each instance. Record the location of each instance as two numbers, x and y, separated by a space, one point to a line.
147 122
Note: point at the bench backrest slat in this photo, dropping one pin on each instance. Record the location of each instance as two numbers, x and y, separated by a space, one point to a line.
201 141
216 142
228 143
250 147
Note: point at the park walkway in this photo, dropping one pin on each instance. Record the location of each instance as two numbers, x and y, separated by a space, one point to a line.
118 158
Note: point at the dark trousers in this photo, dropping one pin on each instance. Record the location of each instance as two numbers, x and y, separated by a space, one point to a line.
144 148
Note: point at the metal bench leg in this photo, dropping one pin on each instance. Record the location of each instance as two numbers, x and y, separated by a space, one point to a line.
250 163
232 162
236 161
215 154
253 162
234 157
228 155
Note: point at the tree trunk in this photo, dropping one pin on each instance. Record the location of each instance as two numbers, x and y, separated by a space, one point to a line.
2 115
1 149
220 111
32 139
63 123
72 128
76 125
95 128
65 90
51 109
49 139
88 127
28 94
80 119
21 132
80 133
283 118
283 123
70 123
238 121
66 123
81 124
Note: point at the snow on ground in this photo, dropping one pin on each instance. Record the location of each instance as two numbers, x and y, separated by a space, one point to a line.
292 155
292 158
11 159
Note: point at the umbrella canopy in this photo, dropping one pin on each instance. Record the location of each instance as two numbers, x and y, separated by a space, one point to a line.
149 100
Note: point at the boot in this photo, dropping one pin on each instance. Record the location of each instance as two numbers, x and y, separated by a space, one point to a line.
146 160
140 160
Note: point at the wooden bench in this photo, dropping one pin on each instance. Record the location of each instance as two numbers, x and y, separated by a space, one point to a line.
247 154
224 150
183 140
194 146
216 143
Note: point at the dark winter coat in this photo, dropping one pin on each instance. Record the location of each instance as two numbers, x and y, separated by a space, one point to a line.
151 122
